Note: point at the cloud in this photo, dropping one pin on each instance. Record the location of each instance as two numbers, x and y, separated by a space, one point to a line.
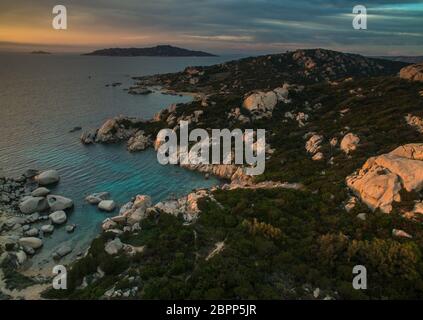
225 25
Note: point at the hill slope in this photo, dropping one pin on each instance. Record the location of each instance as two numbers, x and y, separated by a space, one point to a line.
279 243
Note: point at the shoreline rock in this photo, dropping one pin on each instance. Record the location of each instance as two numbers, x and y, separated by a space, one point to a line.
33 204
57 203
107 205
96 198
58 217
47 177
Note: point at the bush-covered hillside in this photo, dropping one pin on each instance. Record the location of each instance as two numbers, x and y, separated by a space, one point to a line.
278 243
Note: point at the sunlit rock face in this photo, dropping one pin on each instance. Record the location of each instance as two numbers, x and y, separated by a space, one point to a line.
379 182
350 143
413 72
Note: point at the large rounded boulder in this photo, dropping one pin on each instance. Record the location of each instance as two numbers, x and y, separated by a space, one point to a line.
58 203
58 217
107 205
47 177
33 204
31 242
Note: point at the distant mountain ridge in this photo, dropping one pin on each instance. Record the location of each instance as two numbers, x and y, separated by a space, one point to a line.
39 52
408 59
157 51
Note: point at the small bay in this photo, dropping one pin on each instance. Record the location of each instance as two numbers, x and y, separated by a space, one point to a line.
43 97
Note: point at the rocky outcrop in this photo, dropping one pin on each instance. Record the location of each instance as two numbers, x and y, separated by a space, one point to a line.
130 214
224 171
88 137
139 142
415 122
313 146
142 202
379 182
109 224
113 130
350 143
187 206
413 72
114 246
261 103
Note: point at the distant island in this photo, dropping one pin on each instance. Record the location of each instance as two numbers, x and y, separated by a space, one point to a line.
40 52
408 59
158 51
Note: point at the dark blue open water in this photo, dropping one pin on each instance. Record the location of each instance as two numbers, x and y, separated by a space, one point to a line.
42 97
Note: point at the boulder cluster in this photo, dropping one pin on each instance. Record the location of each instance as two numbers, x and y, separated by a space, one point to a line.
32 214
113 130
172 119
102 201
11 191
132 213
349 143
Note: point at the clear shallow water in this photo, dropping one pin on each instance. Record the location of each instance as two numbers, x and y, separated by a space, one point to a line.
43 97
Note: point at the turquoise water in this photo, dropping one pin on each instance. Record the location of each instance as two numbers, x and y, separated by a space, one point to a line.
43 97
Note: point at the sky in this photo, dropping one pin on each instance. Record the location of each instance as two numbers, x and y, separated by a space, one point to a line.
216 26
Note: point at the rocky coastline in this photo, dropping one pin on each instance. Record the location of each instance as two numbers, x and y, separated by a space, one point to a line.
336 186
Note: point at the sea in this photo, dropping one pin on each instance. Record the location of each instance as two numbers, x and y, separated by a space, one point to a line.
43 97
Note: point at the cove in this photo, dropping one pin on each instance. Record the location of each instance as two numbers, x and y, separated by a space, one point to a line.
44 97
